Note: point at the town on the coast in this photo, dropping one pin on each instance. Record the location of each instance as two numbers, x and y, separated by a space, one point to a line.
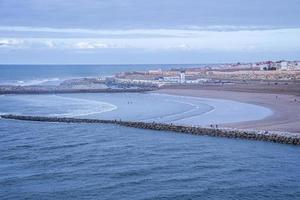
272 74
214 74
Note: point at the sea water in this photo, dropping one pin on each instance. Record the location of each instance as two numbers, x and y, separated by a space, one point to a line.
148 107
74 161
81 161
55 74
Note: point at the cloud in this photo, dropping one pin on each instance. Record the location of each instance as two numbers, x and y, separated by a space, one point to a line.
158 39
10 42
50 43
92 45
184 31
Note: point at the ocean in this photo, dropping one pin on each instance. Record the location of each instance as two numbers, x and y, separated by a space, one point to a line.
53 74
86 161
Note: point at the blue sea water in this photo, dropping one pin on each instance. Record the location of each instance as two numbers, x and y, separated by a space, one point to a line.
134 106
73 161
76 161
45 74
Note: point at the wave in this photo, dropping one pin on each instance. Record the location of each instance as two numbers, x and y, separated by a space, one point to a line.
224 111
41 81
37 81
50 81
55 105
88 107
195 110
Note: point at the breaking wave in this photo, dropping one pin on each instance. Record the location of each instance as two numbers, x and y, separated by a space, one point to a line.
38 81
54 105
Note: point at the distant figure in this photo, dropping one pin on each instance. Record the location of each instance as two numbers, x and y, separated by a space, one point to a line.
211 126
216 125
276 97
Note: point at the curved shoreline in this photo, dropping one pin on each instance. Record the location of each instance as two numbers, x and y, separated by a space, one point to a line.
284 138
286 111
223 115
194 108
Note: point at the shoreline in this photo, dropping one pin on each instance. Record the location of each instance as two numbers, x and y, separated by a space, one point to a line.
286 111
218 112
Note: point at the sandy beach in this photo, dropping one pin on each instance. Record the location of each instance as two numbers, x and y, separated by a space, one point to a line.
285 107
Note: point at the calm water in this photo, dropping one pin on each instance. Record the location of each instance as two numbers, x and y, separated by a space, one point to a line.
61 161
139 107
73 161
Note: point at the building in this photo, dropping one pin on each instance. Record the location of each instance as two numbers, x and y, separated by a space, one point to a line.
182 76
283 65
156 72
172 79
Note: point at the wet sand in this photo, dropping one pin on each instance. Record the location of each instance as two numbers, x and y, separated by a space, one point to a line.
286 111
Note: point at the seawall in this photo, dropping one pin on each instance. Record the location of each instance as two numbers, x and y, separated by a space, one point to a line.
29 90
284 138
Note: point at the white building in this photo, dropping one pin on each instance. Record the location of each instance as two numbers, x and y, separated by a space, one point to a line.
197 81
283 65
263 67
172 79
182 77
157 71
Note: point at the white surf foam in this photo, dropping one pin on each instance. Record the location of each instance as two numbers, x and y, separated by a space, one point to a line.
55 105
195 110
223 111
36 81
90 107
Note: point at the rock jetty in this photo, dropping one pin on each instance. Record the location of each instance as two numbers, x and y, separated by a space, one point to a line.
8 89
284 138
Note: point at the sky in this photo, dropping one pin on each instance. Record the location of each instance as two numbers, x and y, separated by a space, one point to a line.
148 31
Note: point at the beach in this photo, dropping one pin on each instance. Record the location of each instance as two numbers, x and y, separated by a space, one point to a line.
285 107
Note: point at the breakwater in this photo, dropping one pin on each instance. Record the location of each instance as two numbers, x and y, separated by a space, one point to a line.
284 138
49 90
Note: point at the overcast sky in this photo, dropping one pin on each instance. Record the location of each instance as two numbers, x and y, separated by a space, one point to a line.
148 31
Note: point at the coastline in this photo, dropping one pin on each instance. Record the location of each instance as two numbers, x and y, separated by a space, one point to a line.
220 111
286 111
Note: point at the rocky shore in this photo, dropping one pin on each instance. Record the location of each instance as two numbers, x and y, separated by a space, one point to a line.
61 90
277 137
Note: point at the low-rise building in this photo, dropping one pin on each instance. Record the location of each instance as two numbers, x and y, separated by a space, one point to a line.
172 79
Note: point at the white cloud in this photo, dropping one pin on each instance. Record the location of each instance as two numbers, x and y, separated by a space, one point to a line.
10 42
186 31
84 45
164 39
50 43
92 45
